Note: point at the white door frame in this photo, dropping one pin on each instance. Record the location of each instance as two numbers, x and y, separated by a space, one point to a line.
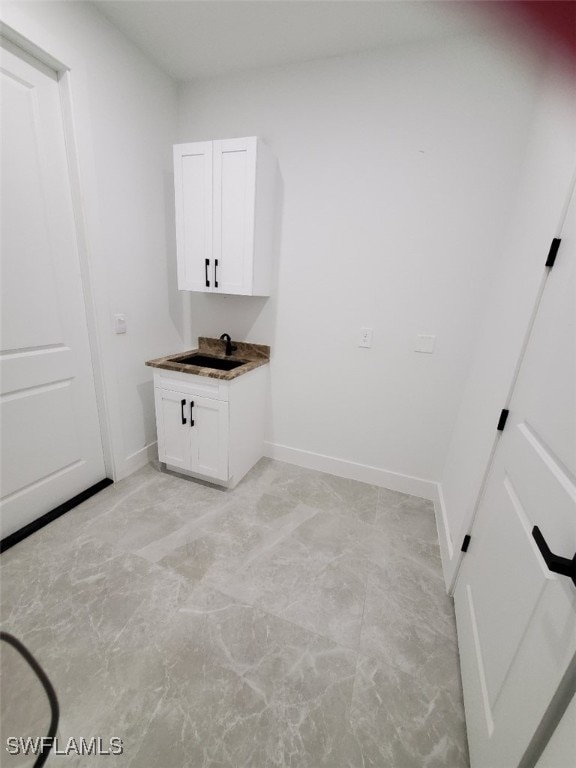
28 50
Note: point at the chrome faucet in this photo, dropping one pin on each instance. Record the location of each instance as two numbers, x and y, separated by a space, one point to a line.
229 346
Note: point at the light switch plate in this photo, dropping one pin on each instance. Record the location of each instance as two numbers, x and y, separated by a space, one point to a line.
120 323
425 344
365 339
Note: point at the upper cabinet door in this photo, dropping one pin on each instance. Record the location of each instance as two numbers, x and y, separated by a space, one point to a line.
194 195
234 210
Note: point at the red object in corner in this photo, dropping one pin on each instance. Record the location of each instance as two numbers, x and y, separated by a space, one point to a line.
556 19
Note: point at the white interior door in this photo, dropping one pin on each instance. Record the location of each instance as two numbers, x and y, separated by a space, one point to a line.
516 618
210 437
51 445
234 207
193 185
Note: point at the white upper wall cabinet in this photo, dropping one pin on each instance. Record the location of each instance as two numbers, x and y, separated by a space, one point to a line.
225 193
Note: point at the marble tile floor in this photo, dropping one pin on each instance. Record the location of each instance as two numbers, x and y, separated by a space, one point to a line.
298 621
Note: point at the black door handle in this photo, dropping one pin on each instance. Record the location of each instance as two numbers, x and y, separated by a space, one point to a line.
182 404
206 265
191 419
215 277
555 563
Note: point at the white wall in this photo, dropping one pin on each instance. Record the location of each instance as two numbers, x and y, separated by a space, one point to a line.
537 217
398 169
124 111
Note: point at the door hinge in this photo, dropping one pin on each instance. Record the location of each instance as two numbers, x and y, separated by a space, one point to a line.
502 420
464 547
553 251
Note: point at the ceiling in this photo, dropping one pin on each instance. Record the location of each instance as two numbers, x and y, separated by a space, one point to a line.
193 39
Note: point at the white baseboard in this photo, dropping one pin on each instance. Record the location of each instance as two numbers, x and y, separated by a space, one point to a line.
137 460
384 478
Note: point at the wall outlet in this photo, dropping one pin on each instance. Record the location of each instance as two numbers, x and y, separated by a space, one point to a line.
425 344
365 339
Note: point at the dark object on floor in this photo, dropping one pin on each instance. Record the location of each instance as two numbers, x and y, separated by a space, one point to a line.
50 692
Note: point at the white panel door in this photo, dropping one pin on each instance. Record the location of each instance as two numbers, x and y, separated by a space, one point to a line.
193 185
516 618
51 444
540 199
210 437
173 425
234 210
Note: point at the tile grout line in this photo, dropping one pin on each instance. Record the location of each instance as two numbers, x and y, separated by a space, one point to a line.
268 612
359 649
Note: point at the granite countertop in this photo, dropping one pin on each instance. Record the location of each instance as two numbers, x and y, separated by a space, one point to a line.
252 355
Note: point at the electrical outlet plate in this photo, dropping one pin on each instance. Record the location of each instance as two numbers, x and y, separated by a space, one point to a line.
425 344
365 339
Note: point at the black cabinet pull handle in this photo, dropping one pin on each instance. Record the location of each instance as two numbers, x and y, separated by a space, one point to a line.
182 404
191 419
215 278
206 265
555 563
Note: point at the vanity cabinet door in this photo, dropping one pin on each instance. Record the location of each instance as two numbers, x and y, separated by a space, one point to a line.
192 433
173 425
209 436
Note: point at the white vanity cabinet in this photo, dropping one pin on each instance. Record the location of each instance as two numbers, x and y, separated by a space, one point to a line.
225 202
210 428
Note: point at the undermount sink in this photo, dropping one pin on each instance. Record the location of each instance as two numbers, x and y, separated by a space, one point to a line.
207 361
